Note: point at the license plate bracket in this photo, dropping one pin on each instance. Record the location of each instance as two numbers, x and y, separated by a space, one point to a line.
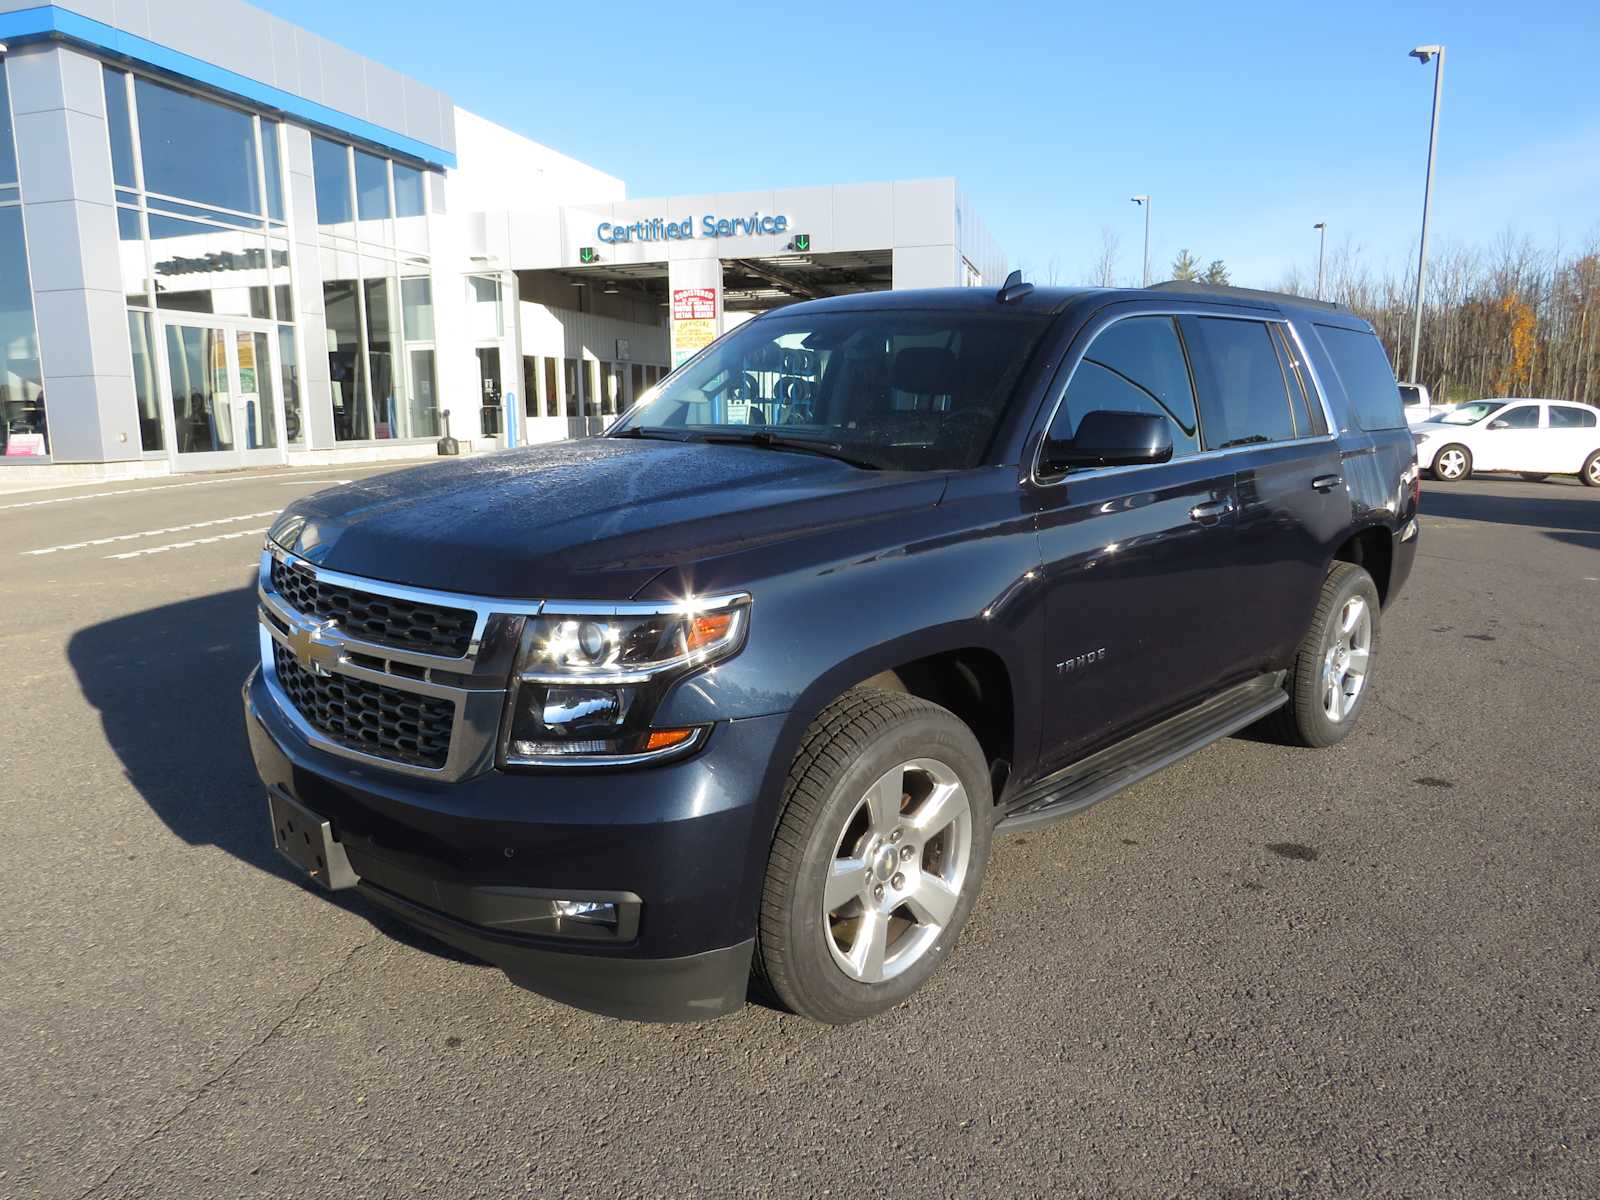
307 841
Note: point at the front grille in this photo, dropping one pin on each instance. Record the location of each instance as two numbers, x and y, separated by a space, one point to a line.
369 717
385 620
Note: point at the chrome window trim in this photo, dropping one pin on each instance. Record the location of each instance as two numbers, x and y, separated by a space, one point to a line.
1173 312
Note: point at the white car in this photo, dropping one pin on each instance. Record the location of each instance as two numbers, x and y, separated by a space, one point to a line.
1535 438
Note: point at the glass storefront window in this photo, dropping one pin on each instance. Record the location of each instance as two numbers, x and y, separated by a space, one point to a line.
272 169
347 365
330 167
552 392
388 397
196 149
591 402
144 382
294 427
8 150
424 394
208 269
119 127
486 321
372 187
282 292
409 199
22 421
135 270
416 296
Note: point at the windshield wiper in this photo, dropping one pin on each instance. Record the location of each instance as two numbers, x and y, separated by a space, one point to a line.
1252 440
654 431
776 441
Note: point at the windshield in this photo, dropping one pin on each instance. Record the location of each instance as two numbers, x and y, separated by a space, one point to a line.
1467 414
892 388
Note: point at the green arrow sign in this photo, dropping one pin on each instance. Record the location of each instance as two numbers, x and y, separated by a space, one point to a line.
587 254
802 242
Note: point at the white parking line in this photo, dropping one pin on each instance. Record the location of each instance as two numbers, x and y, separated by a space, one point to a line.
205 541
144 533
167 487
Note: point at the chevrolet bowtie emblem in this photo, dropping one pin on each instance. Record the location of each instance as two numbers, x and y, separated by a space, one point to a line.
311 650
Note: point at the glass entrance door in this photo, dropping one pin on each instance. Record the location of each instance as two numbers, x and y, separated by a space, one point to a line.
222 395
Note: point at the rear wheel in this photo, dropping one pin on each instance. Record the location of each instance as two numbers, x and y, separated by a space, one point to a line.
878 857
1591 470
1328 683
1453 463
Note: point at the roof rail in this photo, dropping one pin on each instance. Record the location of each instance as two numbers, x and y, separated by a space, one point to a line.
1013 288
1222 290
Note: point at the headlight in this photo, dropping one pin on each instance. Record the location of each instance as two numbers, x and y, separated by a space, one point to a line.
587 683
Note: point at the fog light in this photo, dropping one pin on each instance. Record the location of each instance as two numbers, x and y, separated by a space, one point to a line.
591 912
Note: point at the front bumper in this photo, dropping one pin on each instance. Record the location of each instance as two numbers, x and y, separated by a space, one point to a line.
679 848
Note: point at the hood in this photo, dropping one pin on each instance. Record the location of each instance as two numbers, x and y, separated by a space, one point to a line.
591 519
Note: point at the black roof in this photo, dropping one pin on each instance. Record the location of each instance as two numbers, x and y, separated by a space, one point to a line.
1053 300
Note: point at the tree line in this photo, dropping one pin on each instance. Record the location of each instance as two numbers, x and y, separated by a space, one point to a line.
1509 319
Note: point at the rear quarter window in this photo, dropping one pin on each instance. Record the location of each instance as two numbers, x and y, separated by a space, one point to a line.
1367 377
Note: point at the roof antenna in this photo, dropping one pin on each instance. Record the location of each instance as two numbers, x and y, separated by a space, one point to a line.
1013 288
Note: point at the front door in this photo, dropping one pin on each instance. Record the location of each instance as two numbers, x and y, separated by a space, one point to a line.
1138 561
222 394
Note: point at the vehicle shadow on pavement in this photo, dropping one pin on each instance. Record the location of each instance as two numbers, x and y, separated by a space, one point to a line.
1561 509
166 682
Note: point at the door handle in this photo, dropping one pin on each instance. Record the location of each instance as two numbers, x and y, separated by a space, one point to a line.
1212 510
1326 483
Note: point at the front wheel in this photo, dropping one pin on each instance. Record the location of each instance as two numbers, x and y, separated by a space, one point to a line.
1453 463
1591 470
878 857
1328 683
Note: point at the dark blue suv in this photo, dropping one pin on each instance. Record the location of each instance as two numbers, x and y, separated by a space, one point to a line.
738 694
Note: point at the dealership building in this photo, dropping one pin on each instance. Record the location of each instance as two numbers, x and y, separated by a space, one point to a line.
225 241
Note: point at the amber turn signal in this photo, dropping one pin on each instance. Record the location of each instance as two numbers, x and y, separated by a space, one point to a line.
660 739
708 629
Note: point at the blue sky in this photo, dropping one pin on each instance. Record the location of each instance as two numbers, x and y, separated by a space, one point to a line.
1247 123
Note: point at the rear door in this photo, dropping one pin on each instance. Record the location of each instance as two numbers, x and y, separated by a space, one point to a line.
1258 401
1138 561
1572 433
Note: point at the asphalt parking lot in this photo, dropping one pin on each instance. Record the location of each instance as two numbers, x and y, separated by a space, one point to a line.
1369 971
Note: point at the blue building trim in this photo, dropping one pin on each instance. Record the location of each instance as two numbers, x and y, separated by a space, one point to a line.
52 21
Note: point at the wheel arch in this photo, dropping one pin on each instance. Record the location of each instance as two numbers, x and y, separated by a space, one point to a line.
1371 549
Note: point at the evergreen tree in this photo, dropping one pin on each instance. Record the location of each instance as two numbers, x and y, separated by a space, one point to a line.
1185 267
1216 273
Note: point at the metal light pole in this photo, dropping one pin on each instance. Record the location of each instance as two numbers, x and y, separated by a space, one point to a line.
1322 252
1423 54
1144 203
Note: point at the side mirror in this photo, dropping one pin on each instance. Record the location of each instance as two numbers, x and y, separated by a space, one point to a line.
1500 423
1110 439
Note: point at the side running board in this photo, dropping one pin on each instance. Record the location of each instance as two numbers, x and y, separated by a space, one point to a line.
1108 771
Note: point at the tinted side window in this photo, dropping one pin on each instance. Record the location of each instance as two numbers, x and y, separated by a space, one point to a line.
1572 418
1308 418
1243 398
1368 380
1525 417
1133 365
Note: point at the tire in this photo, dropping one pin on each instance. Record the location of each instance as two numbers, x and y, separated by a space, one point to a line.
1308 719
1591 470
1452 464
1533 476
845 803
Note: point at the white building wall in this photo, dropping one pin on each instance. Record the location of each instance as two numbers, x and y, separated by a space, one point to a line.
501 169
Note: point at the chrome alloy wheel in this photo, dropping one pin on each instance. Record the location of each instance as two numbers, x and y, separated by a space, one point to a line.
897 870
1450 464
1594 470
1344 670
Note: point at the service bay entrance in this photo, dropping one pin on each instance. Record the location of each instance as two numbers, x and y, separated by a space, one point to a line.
222 393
